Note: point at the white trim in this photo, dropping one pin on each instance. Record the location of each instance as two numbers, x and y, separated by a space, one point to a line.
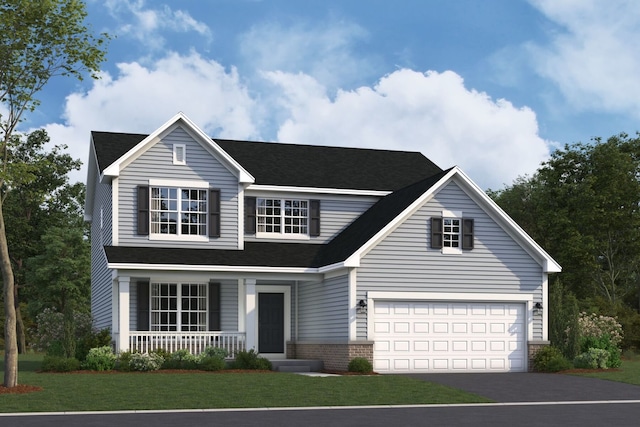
212 268
282 236
318 190
353 311
176 151
179 119
447 214
174 183
123 315
240 229
179 237
545 307
286 290
115 218
251 317
242 312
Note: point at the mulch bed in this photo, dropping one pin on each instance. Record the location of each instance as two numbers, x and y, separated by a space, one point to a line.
19 389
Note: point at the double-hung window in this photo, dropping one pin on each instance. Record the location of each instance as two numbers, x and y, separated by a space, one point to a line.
452 233
178 307
178 211
283 216
170 209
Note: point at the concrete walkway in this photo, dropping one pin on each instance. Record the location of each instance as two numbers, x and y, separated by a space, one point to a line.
535 387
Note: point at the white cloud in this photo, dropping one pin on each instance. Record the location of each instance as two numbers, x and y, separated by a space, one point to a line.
593 56
323 50
433 113
141 98
148 23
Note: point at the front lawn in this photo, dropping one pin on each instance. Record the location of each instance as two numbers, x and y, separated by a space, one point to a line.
629 372
196 390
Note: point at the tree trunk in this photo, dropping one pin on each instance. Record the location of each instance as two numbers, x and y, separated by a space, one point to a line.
21 335
10 340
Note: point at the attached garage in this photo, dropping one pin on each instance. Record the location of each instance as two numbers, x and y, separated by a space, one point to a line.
449 336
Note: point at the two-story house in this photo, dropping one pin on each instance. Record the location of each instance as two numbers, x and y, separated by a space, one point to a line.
312 252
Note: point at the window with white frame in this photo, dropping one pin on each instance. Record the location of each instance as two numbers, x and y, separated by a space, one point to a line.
283 216
178 307
179 211
452 233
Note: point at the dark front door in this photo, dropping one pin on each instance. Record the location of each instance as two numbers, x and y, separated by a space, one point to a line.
270 323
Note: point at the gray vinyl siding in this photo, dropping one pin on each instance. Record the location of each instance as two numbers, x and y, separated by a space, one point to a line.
323 311
335 213
404 261
228 305
157 162
101 234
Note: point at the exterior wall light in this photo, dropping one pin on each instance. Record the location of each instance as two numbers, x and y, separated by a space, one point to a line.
537 308
361 306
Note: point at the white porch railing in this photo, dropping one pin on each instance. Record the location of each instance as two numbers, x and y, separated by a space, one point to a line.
195 342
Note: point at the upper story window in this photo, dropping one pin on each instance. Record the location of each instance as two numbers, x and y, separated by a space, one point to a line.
451 232
170 209
178 211
287 218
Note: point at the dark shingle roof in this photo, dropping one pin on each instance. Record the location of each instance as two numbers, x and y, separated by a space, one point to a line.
300 165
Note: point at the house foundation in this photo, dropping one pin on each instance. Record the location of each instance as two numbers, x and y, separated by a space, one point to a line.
335 356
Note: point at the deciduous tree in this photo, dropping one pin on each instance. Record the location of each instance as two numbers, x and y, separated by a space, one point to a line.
39 40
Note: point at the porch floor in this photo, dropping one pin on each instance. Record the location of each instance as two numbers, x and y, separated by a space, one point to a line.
297 365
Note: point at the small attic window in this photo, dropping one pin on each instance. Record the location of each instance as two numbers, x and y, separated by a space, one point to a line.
179 154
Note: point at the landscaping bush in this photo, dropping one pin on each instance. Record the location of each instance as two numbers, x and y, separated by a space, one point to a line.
59 364
100 359
594 358
361 365
123 362
251 360
212 359
601 332
92 339
145 361
51 328
550 359
180 359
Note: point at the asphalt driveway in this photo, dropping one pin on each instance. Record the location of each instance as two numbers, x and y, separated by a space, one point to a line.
535 387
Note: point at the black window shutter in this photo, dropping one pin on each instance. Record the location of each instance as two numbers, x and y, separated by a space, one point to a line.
436 233
314 218
467 233
214 306
143 306
250 215
143 210
214 212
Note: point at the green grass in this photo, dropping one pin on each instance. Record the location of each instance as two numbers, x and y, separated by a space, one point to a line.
629 372
129 391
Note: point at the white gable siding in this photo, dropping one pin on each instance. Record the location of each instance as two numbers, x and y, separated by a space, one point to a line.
323 312
157 163
101 283
404 261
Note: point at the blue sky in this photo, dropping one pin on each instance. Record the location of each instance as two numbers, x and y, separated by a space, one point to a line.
492 86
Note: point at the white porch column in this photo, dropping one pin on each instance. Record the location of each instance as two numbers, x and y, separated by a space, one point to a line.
123 315
250 307
115 310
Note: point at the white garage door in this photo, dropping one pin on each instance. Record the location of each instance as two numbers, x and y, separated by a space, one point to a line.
449 337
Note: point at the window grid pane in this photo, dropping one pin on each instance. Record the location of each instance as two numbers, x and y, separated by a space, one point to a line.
451 232
286 216
178 211
189 315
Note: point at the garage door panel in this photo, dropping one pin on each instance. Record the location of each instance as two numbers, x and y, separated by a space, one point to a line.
441 337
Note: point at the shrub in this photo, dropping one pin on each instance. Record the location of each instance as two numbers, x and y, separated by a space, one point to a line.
251 360
594 358
123 362
215 352
145 361
550 359
180 359
92 339
55 348
209 363
59 364
361 365
51 327
100 359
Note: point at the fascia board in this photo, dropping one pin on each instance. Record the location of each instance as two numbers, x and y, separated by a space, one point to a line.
317 190
92 172
114 169
212 268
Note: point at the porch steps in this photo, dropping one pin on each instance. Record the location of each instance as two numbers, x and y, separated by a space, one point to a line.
297 365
